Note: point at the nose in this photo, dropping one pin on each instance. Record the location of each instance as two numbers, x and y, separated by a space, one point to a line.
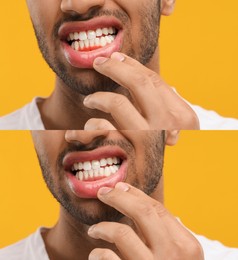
80 6
83 136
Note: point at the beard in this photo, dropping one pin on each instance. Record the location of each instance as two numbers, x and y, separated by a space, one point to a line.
92 211
86 82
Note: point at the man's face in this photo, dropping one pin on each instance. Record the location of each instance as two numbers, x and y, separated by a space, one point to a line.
75 164
71 34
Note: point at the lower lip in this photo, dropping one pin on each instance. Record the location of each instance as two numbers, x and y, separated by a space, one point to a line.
85 59
89 189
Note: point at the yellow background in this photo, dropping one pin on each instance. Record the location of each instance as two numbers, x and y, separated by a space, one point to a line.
198 55
200 186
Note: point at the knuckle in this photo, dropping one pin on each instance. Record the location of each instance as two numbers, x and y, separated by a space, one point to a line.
160 209
119 101
146 210
141 79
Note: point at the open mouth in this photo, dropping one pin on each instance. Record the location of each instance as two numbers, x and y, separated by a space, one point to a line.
86 172
96 169
82 42
92 39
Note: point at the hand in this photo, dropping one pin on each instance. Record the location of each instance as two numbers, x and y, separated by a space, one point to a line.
154 104
162 236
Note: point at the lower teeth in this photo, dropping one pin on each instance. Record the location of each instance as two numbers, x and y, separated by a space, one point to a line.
102 172
93 43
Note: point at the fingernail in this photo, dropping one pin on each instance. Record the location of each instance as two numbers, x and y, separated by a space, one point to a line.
104 190
122 186
118 56
90 230
86 99
100 60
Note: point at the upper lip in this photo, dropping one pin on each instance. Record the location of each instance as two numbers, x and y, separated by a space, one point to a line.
93 24
97 154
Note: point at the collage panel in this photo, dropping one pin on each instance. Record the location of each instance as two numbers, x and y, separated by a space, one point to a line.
195 57
195 180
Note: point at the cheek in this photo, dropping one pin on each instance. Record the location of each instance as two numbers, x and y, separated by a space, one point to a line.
44 14
49 143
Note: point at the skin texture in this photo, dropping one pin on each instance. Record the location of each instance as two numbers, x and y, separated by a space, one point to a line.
133 223
65 109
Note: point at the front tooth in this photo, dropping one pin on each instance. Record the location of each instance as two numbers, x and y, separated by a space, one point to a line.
91 43
82 36
91 35
96 173
86 175
68 38
109 161
80 166
71 36
105 31
81 45
90 173
99 32
76 45
87 166
95 165
76 36
103 162
107 171
101 172
103 41
97 42
86 43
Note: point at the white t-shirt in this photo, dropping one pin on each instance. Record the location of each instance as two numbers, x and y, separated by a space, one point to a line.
29 118
33 248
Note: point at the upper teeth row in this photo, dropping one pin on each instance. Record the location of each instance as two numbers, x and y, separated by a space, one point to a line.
95 164
91 34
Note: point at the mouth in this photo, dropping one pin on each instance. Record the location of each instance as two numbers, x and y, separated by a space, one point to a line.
82 42
87 172
92 39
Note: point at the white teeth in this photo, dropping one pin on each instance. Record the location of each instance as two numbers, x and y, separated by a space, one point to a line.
81 44
91 38
103 41
96 168
109 161
91 35
107 171
110 30
76 36
108 39
87 166
105 31
76 46
103 162
80 166
82 36
97 42
99 32
86 43
95 165
71 35
101 172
